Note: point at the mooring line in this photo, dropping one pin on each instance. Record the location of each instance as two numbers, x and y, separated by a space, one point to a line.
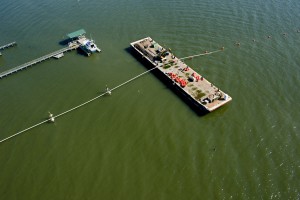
202 54
18 133
76 107
97 97
93 99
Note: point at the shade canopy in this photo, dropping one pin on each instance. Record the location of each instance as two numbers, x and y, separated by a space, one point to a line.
76 34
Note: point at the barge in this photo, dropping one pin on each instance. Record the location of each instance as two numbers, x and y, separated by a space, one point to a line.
198 91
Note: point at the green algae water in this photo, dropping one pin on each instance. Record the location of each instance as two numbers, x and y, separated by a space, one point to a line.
144 142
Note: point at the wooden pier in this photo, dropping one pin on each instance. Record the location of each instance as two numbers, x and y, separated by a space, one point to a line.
8 45
38 60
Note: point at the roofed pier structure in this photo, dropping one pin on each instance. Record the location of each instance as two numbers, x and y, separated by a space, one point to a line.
76 34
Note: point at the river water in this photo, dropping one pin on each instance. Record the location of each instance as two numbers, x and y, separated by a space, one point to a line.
144 142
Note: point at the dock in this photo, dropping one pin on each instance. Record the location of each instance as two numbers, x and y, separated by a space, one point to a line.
75 40
198 91
88 46
55 54
60 55
8 45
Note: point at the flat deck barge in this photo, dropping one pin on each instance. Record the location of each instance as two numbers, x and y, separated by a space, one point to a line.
199 91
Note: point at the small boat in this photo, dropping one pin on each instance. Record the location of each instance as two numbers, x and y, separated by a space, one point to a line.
88 46
85 44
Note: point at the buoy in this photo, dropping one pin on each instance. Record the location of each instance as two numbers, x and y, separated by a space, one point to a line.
108 91
51 118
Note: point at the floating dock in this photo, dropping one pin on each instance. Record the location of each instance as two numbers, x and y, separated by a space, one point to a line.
196 89
55 54
8 45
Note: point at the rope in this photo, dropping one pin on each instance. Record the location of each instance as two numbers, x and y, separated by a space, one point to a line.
18 133
202 54
93 99
76 107
97 97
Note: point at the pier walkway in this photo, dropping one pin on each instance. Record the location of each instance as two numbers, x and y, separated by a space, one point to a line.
8 45
38 60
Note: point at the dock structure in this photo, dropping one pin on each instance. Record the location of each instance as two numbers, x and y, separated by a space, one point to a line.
88 46
55 54
76 40
8 45
197 90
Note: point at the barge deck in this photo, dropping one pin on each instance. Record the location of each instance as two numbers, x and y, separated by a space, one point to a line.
199 91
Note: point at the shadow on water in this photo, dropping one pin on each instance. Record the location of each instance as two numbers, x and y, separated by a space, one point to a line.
81 52
65 42
199 111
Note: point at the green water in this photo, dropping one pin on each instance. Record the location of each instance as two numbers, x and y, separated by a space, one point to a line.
144 142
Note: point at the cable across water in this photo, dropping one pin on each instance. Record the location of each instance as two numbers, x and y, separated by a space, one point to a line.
202 54
97 97
76 107
93 99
